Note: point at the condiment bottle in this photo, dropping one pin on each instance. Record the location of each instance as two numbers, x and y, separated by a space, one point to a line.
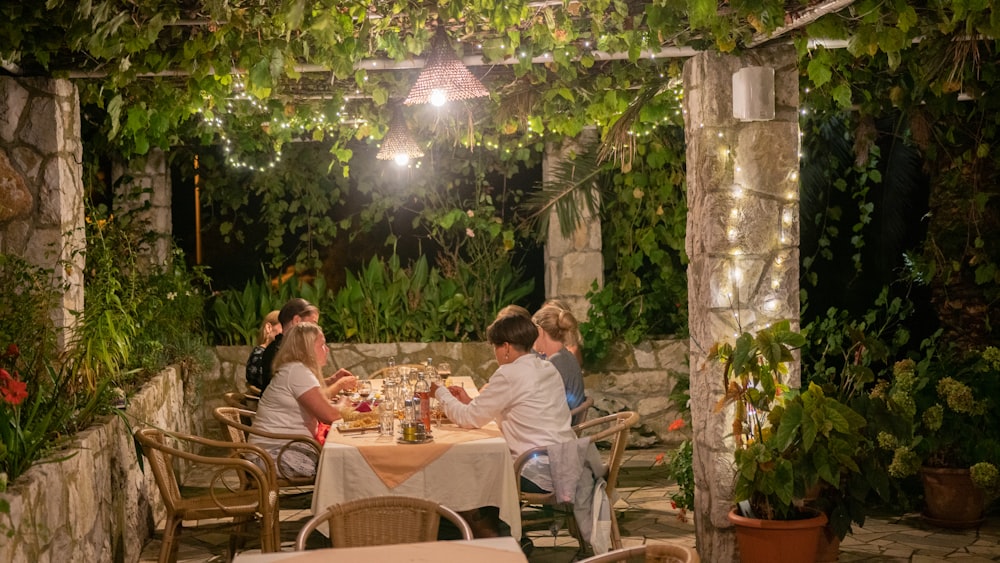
422 391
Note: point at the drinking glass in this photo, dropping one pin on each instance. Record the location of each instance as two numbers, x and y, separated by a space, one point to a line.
386 420
365 390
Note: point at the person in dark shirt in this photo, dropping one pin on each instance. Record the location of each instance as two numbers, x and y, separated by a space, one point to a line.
255 365
294 312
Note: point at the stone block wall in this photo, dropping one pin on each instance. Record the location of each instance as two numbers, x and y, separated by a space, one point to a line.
572 263
634 378
41 190
90 501
144 188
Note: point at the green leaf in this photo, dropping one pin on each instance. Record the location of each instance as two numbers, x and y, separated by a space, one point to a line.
842 95
906 18
986 273
819 71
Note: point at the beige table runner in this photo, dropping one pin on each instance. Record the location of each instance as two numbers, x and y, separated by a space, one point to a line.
394 463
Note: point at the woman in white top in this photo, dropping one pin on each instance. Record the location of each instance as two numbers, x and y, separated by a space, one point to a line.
298 398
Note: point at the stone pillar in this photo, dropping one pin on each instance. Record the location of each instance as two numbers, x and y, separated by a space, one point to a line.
575 262
742 241
41 186
143 193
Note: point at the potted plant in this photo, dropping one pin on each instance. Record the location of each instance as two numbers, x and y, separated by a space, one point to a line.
786 443
845 355
946 429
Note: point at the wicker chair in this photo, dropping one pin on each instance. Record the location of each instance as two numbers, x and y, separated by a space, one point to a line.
383 521
221 500
613 428
234 427
244 401
580 413
241 400
652 553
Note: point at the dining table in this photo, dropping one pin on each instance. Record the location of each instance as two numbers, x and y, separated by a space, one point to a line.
461 468
485 550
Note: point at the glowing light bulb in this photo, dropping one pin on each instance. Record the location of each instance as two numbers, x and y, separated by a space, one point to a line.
786 216
438 97
401 158
732 234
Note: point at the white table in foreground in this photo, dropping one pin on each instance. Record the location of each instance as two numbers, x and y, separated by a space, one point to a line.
489 550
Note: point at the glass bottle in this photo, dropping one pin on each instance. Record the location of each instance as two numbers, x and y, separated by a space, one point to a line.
422 392
409 412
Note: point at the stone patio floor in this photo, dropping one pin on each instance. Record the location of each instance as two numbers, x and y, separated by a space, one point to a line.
646 516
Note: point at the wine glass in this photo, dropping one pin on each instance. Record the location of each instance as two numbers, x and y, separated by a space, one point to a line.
365 390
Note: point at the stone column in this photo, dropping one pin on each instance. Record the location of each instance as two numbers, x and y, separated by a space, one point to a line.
742 241
573 263
143 193
41 187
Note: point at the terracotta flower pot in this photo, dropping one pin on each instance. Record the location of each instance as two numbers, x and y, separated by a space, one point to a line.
951 499
828 548
770 541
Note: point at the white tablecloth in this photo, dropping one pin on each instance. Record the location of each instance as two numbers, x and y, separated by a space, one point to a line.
467 476
489 550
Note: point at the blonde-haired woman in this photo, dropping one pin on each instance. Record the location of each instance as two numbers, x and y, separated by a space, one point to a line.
572 339
298 398
270 328
556 327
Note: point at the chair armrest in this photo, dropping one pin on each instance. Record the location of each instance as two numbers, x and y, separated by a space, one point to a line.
266 478
522 460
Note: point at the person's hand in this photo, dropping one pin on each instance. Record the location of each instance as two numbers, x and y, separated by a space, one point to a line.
344 383
460 394
341 373
435 385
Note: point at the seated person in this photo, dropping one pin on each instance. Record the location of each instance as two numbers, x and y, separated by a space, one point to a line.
514 310
298 398
555 327
255 363
525 397
573 341
293 312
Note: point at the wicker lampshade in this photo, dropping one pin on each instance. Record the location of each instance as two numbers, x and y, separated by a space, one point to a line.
444 77
398 143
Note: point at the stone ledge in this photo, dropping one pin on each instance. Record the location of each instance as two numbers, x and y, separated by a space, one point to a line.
90 498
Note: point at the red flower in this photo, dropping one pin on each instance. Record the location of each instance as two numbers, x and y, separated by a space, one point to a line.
12 390
676 425
12 352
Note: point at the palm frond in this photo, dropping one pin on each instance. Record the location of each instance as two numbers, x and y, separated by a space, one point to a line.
574 187
619 142
575 181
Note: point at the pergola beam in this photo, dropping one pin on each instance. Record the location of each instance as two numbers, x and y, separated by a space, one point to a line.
800 20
